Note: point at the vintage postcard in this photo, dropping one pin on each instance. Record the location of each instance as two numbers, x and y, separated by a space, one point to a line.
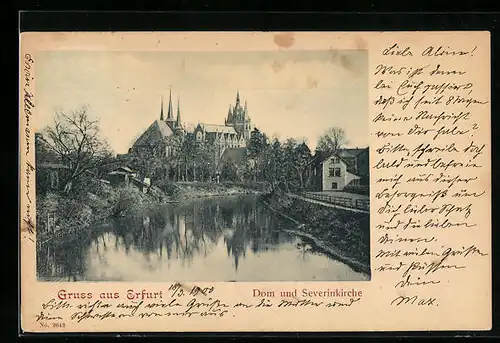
255 181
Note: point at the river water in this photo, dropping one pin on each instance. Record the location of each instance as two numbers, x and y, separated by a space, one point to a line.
218 239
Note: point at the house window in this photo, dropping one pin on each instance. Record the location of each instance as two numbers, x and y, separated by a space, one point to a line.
335 160
334 185
331 172
337 171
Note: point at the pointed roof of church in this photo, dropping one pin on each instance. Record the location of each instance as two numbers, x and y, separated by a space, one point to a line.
161 111
170 114
178 123
245 113
229 114
156 132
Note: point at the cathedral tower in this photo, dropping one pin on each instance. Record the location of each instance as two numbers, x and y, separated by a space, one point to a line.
229 119
179 130
238 118
161 111
170 115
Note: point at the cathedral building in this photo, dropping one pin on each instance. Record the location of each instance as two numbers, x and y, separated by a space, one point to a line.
164 136
233 134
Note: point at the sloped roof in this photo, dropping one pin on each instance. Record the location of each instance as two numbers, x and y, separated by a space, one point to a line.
321 156
349 166
339 157
350 152
318 158
218 128
342 154
157 131
236 155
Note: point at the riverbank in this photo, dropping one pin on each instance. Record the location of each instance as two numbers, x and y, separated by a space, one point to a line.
59 215
344 235
182 191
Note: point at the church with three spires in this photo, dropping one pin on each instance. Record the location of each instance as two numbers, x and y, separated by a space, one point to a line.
163 136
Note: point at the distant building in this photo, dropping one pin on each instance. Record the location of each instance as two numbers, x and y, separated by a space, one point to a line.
337 173
232 163
124 176
159 139
233 134
163 138
235 155
346 169
357 159
121 176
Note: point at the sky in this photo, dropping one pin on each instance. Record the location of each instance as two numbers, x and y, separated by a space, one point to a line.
296 94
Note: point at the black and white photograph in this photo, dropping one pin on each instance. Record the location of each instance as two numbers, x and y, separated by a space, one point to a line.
230 166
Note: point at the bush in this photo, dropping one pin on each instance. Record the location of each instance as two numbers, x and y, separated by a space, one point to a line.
69 214
169 188
103 203
129 201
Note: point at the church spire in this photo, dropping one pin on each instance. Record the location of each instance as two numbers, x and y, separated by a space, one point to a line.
161 111
238 97
230 114
170 115
178 121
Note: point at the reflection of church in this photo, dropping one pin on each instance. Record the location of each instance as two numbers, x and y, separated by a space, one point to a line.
194 230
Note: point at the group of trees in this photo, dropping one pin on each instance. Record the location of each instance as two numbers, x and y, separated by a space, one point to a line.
286 164
75 141
283 164
187 160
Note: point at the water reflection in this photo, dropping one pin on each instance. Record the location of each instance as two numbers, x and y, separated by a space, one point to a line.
223 239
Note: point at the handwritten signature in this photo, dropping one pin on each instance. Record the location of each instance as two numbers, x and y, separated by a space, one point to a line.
28 105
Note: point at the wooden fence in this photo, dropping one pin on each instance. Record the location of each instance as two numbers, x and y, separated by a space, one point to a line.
361 204
358 189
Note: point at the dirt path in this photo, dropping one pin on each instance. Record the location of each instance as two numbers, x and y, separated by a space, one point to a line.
352 196
313 201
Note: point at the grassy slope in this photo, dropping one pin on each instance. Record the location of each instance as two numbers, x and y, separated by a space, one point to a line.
74 214
342 233
181 191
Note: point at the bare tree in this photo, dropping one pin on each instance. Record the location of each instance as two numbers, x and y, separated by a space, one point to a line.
333 139
76 140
